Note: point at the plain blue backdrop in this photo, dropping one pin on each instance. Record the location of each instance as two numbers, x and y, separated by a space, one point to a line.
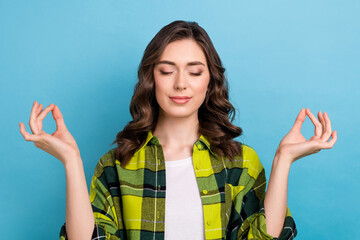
83 56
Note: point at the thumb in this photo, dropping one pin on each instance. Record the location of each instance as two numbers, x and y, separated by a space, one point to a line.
299 120
60 124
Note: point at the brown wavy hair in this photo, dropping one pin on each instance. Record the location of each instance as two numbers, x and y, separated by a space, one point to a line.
213 114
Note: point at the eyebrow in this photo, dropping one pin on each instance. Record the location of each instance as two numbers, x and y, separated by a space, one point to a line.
188 64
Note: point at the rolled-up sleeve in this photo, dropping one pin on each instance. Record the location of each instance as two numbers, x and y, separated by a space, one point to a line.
252 213
105 202
98 233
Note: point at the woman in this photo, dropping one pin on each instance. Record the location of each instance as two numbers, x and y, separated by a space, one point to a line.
214 185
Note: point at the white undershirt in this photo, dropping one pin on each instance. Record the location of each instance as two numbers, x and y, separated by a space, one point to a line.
183 208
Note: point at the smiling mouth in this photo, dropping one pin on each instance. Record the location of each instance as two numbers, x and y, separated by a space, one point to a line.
181 97
180 100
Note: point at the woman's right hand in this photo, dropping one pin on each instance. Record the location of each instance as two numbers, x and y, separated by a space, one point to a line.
60 144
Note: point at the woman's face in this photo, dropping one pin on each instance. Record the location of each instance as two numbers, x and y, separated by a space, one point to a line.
182 71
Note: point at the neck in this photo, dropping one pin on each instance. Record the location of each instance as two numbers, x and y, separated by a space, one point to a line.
174 131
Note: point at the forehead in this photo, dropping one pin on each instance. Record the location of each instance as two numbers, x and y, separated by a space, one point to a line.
183 51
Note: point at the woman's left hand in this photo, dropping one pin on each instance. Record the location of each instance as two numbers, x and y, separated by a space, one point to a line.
294 145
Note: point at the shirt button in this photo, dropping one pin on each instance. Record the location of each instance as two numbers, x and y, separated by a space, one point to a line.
208 223
199 146
159 187
204 191
197 167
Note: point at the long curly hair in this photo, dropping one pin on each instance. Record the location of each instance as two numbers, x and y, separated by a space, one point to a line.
213 114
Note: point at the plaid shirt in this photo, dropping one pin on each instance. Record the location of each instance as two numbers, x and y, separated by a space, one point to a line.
129 202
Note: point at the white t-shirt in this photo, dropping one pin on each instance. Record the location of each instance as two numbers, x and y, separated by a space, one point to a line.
184 217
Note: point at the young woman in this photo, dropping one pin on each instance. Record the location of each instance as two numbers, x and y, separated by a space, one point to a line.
177 172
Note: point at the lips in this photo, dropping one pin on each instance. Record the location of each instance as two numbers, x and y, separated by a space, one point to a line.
180 99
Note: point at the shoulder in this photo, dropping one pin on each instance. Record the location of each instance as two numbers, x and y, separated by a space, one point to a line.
249 153
107 160
251 161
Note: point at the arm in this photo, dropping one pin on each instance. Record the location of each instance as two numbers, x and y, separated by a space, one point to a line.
104 201
291 148
79 215
62 146
275 202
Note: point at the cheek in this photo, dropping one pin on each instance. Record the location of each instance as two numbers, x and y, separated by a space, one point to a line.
161 91
203 86
160 86
201 92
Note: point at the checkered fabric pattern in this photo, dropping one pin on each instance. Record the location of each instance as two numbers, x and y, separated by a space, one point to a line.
129 202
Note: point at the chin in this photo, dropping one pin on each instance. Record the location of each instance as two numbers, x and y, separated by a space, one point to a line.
178 113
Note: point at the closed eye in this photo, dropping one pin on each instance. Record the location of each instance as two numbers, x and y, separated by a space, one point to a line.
165 73
196 74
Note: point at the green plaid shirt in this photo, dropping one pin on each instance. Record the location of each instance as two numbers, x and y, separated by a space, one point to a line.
129 202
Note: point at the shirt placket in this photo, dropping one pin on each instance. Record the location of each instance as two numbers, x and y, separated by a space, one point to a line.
201 161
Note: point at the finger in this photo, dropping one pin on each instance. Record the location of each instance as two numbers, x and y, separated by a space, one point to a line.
39 109
317 124
43 114
32 122
322 120
327 133
331 143
60 124
299 120
27 136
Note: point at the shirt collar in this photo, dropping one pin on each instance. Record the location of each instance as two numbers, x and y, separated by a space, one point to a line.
202 143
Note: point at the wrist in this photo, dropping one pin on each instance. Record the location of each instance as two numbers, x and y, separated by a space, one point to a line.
282 161
73 162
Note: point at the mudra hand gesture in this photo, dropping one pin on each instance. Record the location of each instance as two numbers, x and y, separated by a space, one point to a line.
60 144
294 145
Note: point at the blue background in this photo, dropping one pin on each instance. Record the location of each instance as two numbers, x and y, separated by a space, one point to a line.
83 56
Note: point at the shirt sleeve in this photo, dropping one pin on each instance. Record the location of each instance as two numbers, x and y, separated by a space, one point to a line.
252 211
105 202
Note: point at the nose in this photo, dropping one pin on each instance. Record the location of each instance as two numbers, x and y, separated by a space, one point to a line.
180 81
